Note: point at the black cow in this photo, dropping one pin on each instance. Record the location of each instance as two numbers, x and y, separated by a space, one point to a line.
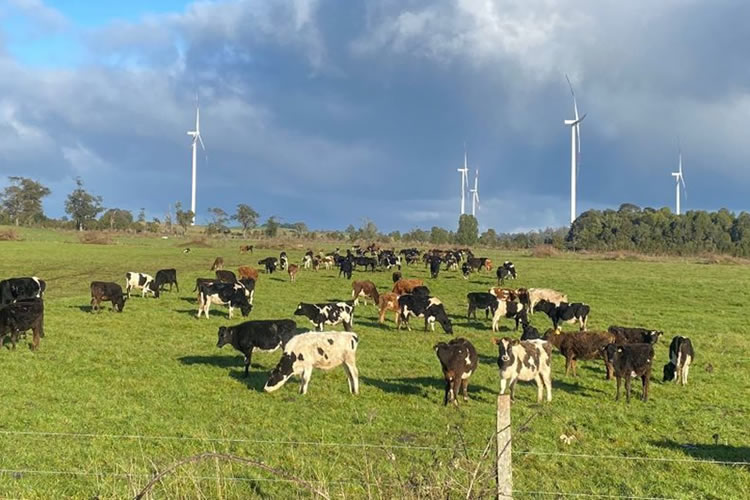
264 335
421 290
20 316
269 263
225 276
632 360
530 333
565 313
328 314
435 266
634 335
166 276
14 289
506 271
458 358
481 300
106 291
366 262
345 268
476 263
202 281
228 294
681 354
396 276
422 306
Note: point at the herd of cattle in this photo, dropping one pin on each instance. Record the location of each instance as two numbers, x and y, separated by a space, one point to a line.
627 352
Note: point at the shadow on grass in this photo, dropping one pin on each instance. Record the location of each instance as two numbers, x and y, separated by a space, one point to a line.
720 452
192 300
415 385
255 380
373 324
86 309
487 360
574 388
276 278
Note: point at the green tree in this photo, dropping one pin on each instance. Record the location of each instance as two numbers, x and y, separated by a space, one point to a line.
22 200
219 220
247 217
368 231
488 238
82 206
184 218
116 219
272 226
300 228
439 236
468 230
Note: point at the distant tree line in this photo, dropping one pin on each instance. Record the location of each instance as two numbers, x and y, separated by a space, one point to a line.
630 228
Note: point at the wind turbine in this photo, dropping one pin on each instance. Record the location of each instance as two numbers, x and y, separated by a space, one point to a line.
196 134
679 178
464 183
575 150
475 195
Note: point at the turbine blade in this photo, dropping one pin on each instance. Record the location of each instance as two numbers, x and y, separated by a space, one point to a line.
575 104
201 141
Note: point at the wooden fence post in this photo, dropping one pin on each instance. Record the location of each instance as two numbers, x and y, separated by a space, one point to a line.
504 464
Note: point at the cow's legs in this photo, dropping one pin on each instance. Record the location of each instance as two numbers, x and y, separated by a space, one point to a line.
465 388
248 361
575 367
455 389
503 385
175 285
547 379
305 380
539 388
617 395
230 311
448 388
512 389
628 381
685 368
348 326
353 375
568 363
644 380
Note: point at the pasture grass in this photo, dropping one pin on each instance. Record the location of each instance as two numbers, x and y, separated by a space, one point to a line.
110 399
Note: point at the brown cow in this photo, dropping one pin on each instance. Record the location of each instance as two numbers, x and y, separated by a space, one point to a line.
246 248
388 302
218 264
246 272
581 345
506 294
292 270
365 289
404 285
488 264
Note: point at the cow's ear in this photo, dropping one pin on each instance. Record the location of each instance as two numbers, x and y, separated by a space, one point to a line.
515 341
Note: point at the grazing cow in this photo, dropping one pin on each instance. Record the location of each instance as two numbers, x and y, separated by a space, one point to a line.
345 268
14 289
328 314
529 332
202 281
565 313
246 248
20 316
478 263
581 345
187 250
265 335
396 276
512 310
633 335
316 350
292 270
535 295
406 285
524 360
269 263
681 354
366 262
164 277
249 286
283 261
143 281
365 289
248 272
506 271
105 291
388 302
458 358
229 294
632 360
218 264
225 276
505 294
421 306
327 261
434 267
481 300
466 270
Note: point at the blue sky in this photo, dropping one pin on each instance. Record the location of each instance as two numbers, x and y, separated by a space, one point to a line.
332 112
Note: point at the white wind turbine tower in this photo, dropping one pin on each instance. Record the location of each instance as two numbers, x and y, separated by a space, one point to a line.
196 134
575 150
678 178
464 183
475 195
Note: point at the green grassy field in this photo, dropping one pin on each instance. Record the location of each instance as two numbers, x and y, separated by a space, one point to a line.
111 398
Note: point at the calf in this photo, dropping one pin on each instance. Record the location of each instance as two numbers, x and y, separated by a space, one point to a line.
293 269
13 289
565 313
405 285
269 263
345 268
388 302
512 310
307 260
429 308
229 294
365 289
535 295
628 335
396 276
478 263
218 264
328 314
143 281
20 316
504 293
524 360
105 291
248 272
581 345
164 277
466 270
481 300
283 261
681 354
530 333
506 271
225 276
246 248
264 335
632 360
366 262
434 266
458 358
316 350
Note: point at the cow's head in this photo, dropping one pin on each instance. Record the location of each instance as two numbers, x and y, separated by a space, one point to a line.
300 311
281 372
670 372
654 335
443 319
245 306
504 350
118 303
225 336
154 288
544 306
609 351
529 332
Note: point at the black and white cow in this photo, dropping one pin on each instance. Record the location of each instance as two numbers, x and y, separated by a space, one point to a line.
524 360
142 281
506 271
422 306
466 270
509 309
166 277
283 261
18 317
565 313
269 263
226 276
328 314
458 358
681 354
229 294
481 300
265 335
14 289
316 350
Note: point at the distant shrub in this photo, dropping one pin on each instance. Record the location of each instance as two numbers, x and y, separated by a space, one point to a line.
544 251
95 238
9 235
197 243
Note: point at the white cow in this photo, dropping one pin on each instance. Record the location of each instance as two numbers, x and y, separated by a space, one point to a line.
524 360
143 281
